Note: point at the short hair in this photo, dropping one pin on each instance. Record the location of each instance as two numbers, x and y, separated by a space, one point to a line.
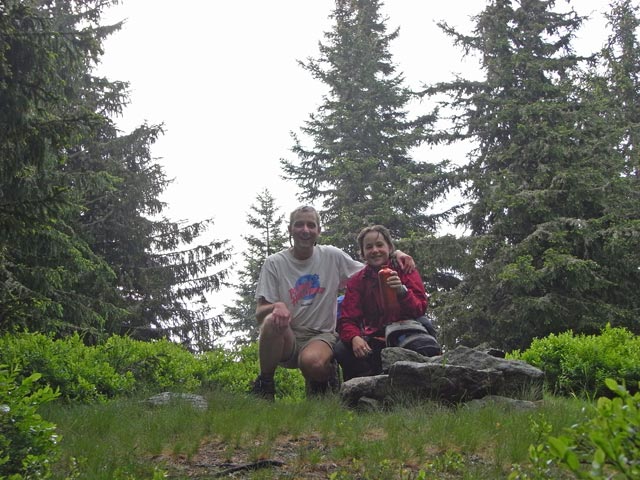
304 209
382 230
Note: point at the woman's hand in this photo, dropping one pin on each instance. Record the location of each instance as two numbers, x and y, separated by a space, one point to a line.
393 281
360 347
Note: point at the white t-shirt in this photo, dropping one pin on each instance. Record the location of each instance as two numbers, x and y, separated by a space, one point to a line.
308 287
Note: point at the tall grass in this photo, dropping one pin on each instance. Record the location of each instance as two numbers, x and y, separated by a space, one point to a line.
318 438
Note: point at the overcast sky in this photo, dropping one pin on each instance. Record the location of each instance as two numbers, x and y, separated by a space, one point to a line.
223 78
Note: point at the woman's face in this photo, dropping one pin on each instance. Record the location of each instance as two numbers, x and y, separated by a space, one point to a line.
376 250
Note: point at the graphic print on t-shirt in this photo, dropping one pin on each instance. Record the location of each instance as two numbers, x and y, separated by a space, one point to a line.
305 289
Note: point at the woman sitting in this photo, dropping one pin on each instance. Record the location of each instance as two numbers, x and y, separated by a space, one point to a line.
364 314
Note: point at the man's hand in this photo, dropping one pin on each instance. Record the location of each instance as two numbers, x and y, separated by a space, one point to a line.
406 262
280 315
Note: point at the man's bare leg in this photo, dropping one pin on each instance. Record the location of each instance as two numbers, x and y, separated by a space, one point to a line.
275 345
315 361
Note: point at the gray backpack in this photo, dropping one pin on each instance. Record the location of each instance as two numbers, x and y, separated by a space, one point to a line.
412 335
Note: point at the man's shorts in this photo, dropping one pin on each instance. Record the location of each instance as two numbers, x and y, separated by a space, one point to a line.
302 338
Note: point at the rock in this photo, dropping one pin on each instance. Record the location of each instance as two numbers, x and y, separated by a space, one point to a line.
444 383
520 378
461 375
507 403
366 404
165 398
375 387
392 355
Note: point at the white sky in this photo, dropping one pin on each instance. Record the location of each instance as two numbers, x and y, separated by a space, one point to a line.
223 78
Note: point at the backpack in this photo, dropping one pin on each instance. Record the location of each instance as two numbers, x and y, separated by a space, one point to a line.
412 335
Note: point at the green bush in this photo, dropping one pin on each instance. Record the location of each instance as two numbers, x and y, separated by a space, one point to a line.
28 444
123 366
604 446
579 364
234 371
79 372
157 365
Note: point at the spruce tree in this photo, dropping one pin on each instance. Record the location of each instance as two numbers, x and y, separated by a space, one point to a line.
50 279
621 62
359 170
537 184
83 244
269 237
162 270
614 86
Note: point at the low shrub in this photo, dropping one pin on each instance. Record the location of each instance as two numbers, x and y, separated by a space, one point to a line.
123 366
605 445
28 444
78 372
579 364
157 365
234 371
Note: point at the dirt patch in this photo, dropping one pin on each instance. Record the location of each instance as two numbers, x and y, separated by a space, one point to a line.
288 457
300 457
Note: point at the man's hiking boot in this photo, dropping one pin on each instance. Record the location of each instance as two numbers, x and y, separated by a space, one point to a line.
332 385
263 388
334 380
315 389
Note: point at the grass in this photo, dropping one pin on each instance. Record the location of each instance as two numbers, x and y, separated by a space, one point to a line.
318 438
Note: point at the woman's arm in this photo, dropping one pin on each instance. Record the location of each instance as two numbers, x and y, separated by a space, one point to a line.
412 296
349 324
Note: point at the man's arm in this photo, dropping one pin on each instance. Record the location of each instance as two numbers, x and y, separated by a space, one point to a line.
263 309
405 262
281 314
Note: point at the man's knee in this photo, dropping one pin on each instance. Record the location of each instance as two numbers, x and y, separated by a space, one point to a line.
315 360
269 329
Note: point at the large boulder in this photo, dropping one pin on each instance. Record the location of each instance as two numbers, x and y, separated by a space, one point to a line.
458 376
520 378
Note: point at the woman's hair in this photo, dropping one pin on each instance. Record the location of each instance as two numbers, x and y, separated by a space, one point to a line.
382 230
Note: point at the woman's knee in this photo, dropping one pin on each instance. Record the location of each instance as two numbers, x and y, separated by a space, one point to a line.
342 352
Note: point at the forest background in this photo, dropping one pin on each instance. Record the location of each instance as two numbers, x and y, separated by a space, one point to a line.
549 194
159 49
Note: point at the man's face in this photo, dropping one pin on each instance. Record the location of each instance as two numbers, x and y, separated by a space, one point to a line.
304 230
